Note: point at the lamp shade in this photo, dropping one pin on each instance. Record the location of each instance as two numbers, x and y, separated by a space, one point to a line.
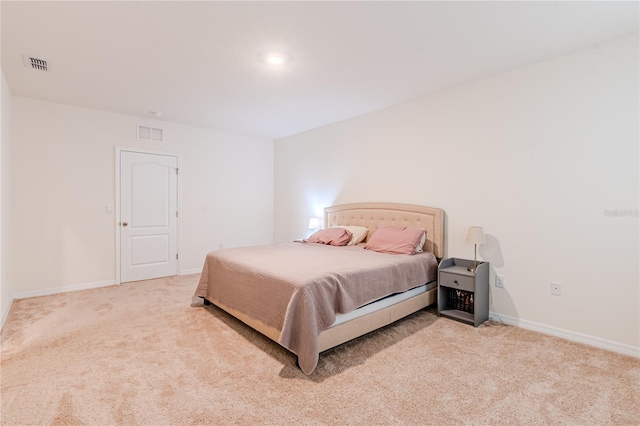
476 235
314 223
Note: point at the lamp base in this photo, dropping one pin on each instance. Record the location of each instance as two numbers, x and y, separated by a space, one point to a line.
475 259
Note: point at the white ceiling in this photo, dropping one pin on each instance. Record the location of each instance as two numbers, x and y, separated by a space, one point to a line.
201 63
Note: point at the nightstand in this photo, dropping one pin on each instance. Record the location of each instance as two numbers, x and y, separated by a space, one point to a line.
463 295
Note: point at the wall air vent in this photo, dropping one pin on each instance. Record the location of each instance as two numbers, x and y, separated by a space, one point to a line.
34 63
150 133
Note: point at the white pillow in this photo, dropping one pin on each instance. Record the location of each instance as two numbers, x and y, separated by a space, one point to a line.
421 243
359 233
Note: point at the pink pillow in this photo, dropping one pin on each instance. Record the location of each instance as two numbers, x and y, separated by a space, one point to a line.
331 236
395 240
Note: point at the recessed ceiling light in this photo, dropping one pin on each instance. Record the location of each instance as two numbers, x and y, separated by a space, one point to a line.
275 60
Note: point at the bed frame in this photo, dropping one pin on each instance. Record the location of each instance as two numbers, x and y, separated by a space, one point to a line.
373 216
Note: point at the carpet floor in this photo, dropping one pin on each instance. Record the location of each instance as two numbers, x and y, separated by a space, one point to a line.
147 353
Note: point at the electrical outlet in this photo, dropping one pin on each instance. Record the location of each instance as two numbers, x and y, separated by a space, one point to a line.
500 281
556 289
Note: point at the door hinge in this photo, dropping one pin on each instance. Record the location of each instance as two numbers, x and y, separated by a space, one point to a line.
176 256
176 214
177 170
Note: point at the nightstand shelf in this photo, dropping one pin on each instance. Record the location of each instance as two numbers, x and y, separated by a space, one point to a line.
463 295
458 315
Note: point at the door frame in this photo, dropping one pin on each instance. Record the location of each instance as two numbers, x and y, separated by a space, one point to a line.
118 150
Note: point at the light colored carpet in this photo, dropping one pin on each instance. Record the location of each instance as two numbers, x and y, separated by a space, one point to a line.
147 353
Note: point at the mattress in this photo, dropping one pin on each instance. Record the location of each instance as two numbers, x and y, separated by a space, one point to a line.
385 302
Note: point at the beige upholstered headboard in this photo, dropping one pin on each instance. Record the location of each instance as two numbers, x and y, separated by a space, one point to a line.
374 215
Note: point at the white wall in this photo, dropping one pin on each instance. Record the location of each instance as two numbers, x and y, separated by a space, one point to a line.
5 196
535 156
63 161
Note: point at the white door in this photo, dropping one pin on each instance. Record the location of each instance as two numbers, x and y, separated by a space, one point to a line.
148 216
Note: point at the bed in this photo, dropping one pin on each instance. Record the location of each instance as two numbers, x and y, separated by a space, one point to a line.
311 297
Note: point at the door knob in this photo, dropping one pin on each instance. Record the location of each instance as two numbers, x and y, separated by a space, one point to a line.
125 223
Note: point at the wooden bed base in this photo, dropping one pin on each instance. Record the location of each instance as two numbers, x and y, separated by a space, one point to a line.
371 215
346 331
339 334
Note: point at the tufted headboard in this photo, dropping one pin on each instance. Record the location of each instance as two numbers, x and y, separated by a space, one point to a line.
374 215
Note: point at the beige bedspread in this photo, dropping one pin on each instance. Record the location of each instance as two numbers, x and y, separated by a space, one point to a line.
299 287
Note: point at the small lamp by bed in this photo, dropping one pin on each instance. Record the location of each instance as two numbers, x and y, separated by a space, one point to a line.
475 236
314 223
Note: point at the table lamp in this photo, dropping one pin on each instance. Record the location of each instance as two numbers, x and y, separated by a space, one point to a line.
314 223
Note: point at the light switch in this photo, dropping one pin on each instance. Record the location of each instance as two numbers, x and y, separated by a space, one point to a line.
109 208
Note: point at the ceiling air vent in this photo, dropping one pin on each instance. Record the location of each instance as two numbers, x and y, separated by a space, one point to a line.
150 133
34 63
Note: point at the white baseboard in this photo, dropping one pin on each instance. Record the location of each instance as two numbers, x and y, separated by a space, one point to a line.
609 345
65 289
5 314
